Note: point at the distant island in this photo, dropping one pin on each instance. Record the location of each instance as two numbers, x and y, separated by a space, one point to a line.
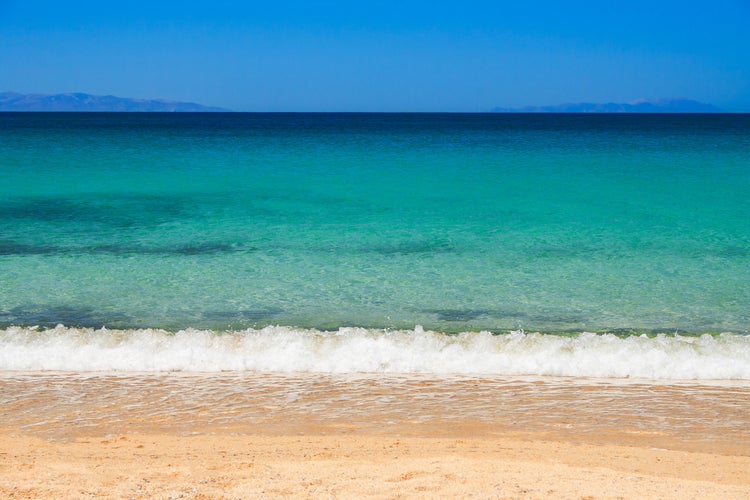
639 106
77 101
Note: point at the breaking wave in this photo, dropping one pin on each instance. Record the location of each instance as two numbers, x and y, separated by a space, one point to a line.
358 350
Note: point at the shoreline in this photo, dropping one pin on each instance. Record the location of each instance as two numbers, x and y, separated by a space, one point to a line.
237 435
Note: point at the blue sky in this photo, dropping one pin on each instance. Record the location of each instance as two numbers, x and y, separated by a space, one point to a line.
405 55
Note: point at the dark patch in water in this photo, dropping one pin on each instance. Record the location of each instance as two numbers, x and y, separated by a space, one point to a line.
51 209
201 249
12 248
531 319
459 314
734 251
118 211
189 249
81 317
241 318
556 318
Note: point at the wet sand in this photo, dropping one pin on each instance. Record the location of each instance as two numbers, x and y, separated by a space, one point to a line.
242 434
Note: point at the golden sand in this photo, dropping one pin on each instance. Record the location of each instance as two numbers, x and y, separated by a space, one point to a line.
306 435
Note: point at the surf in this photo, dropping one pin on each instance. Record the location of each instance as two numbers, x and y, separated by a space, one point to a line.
723 356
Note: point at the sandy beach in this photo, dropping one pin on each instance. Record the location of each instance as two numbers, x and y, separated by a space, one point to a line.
249 435
167 466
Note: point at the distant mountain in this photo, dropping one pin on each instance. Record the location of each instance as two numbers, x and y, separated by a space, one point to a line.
76 101
639 106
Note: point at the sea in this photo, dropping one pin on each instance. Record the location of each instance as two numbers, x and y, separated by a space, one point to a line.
570 245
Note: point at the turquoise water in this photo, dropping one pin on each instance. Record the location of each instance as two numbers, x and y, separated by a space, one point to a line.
455 222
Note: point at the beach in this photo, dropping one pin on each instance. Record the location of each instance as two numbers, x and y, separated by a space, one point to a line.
300 435
166 466
374 304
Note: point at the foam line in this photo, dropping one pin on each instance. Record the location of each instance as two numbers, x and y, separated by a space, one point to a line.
352 350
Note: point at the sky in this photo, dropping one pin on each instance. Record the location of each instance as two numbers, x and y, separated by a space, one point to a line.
402 55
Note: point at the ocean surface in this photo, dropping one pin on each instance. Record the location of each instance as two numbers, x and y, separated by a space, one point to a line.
581 245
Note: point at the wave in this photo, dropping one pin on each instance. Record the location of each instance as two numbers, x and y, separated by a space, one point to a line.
359 350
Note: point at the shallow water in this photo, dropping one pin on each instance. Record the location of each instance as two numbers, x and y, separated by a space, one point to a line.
454 222
65 406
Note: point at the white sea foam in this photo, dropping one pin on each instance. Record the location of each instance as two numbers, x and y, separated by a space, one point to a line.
350 350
